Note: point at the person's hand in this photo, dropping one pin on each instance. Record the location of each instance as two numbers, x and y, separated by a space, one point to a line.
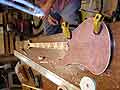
52 20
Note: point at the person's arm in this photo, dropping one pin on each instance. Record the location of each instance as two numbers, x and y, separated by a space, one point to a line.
46 6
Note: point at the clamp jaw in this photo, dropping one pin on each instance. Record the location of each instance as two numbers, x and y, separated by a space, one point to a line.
66 30
97 23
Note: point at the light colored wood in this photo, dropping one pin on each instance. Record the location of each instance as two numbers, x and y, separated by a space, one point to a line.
1 36
25 88
1 41
11 38
1 20
6 38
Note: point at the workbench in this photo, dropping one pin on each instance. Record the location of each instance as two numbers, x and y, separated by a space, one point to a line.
109 80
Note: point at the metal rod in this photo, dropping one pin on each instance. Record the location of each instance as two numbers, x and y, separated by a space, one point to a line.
25 3
36 11
30 5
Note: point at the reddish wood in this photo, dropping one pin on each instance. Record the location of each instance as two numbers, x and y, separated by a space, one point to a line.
91 50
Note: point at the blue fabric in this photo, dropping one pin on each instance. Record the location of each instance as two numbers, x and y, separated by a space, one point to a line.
53 29
56 16
69 12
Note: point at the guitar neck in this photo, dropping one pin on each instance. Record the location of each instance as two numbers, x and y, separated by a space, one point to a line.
50 45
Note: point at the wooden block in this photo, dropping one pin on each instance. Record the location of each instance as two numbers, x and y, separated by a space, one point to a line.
1 41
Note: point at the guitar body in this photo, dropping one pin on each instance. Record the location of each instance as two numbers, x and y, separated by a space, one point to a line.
88 49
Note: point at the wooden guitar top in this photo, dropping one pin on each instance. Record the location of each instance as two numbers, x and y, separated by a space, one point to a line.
91 50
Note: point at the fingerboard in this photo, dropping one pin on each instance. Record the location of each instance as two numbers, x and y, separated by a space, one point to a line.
50 45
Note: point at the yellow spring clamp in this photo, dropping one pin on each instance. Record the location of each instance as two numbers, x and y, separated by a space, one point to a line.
97 23
66 30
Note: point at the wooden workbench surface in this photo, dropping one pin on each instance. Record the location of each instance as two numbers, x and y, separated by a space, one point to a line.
109 80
